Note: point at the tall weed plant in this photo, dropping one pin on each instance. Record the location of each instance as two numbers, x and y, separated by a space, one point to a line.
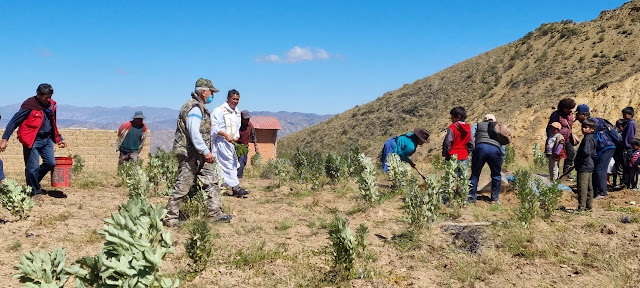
162 170
16 199
539 159
398 171
528 198
199 245
548 196
422 207
367 180
279 169
346 247
308 168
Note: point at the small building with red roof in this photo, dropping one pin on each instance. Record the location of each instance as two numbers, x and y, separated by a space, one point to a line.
266 135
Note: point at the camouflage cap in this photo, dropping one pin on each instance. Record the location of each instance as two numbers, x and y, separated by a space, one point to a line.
206 83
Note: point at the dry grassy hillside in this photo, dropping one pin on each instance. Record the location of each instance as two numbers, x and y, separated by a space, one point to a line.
595 62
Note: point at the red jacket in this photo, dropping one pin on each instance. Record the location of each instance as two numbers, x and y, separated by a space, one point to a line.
29 128
461 136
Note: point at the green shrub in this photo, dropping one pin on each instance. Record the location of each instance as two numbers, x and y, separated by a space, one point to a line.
421 206
195 204
549 196
527 196
256 160
137 182
241 149
351 157
455 183
308 168
199 246
78 164
279 169
509 155
335 167
343 247
398 171
15 198
43 269
127 169
163 171
367 180
132 254
539 159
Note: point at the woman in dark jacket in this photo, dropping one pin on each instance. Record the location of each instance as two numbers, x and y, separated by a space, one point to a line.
564 116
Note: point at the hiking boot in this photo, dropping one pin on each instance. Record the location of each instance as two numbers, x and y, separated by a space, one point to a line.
36 193
240 192
223 218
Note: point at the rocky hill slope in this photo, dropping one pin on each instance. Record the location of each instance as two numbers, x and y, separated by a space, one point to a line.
595 62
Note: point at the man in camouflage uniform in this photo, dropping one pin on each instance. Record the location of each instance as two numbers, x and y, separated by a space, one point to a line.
192 145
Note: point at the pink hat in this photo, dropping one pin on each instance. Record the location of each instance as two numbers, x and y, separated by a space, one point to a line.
556 125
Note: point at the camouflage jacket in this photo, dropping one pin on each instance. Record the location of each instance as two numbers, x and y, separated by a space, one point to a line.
182 144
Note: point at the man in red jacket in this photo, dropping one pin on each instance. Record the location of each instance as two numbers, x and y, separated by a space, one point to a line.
456 142
37 131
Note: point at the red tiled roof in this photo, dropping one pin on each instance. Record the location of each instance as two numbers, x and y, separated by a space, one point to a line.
265 122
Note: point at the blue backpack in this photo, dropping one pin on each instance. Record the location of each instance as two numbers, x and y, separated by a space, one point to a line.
607 134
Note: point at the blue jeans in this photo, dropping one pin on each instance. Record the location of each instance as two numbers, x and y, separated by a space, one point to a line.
33 170
243 163
600 172
1 171
491 154
389 147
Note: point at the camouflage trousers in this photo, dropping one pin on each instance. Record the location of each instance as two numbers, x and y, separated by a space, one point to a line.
187 173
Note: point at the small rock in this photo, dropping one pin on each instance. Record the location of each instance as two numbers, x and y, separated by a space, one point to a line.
626 219
574 251
29 234
563 266
632 202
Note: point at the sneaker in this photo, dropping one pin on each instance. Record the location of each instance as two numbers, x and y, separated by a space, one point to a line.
224 218
599 197
495 202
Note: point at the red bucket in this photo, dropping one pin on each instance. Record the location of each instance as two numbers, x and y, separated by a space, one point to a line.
61 175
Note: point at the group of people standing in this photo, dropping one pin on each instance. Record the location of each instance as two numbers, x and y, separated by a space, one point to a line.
605 150
201 138
461 140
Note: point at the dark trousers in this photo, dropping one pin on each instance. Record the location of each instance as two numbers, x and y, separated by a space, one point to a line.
492 155
243 163
600 172
633 177
626 170
618 171
585 191
570 151
33 170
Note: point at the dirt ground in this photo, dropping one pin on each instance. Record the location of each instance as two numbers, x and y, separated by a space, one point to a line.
278 238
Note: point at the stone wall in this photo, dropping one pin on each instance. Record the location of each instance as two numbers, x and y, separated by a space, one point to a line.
97 148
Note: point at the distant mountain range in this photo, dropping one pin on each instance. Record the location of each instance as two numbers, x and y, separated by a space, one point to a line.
161 121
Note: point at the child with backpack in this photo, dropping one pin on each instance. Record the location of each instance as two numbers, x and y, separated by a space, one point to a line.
554 149
606 140
457 140
628 134
634 164
584 164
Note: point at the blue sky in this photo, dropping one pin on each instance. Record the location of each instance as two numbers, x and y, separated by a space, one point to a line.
300 56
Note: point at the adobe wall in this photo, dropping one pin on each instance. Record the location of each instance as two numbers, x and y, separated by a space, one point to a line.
97 148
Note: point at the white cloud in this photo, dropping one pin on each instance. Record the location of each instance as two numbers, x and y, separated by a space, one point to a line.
296 54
